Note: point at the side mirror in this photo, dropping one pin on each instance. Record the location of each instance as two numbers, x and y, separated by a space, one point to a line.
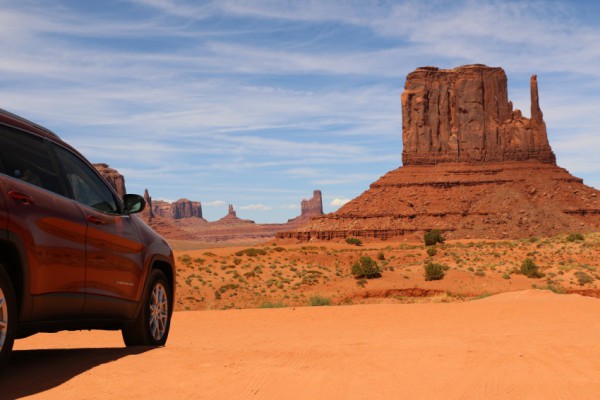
134 203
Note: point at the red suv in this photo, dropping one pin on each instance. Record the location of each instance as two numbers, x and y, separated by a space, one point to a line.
73 255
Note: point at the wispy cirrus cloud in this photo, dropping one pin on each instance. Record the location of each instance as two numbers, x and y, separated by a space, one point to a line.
239 100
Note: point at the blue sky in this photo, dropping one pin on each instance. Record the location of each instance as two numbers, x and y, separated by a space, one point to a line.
258 103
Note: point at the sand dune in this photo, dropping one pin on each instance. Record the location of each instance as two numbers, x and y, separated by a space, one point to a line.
519 345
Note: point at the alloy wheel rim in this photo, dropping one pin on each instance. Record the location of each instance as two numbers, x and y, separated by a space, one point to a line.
159 311
3 319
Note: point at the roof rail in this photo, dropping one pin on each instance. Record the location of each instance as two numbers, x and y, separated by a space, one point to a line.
28 122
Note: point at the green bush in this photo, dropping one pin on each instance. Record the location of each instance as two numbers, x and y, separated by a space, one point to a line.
317 301
251 252
434 271
354 241
583 278
573 237
530 270
431 251
366 268
381 256
432 237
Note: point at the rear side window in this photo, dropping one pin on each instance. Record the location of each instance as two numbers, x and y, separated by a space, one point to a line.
26 157
86 186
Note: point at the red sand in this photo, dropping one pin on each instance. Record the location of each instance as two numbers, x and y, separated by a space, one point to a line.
519 345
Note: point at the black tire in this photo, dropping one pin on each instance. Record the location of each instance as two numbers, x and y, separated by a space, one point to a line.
8 317
151 326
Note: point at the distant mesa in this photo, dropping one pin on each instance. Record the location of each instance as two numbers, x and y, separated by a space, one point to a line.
182 208
183 220
232 219
473 167
310 208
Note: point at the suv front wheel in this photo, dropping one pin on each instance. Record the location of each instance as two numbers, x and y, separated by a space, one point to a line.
151 327
8 316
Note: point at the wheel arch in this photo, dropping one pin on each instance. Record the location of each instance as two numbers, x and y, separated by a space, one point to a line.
167 266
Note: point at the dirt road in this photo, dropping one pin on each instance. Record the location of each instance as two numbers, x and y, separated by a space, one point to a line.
520 345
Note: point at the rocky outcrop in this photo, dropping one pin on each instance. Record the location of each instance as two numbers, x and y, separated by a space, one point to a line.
309 208
184 208
232 219
312 206
464 115
148 211
473 168
492 201
113 177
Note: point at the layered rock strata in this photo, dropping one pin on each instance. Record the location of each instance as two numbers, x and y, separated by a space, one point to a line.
495 200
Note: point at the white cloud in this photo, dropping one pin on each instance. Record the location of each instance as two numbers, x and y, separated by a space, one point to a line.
338 202
256 207
216 203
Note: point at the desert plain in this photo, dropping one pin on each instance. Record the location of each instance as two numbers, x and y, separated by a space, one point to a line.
247 325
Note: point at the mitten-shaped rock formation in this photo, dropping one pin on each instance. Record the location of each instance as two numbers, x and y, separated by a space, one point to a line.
112 176
473 168
464 115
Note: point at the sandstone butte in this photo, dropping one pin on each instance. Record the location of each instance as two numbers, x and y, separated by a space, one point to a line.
472 167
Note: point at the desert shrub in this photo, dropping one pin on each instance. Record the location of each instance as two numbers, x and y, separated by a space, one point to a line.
434 271
229 286
381 256
583 278
433 236
269 304
361 282
431 251
354 241
506 276
530 269
251 252
366 268
317 301
573 237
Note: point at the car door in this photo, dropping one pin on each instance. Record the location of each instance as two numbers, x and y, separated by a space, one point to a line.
114 261
47 227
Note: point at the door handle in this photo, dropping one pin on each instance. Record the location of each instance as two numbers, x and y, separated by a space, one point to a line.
21 198
95 220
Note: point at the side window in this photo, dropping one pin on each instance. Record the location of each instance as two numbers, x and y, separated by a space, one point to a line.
26 157
86 186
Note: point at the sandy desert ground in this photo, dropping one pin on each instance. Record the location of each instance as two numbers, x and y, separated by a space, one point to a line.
531 344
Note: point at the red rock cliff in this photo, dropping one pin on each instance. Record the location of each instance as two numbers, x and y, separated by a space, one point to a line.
464 115
113 177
